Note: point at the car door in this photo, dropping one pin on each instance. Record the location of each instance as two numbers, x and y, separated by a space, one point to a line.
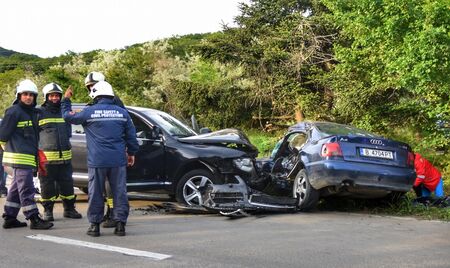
79 149
148 170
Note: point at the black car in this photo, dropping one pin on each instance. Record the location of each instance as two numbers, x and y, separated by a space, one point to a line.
172 158
320 159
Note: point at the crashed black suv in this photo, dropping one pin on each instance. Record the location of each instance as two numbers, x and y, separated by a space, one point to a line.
173 158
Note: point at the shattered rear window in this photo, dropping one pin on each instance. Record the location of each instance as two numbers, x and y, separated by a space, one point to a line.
329 129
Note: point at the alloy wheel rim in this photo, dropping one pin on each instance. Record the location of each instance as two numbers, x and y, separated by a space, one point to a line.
191 190
300 189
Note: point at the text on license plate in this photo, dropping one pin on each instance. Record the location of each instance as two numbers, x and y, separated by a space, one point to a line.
376 153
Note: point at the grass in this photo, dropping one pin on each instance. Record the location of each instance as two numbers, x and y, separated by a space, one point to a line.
264 141
404 207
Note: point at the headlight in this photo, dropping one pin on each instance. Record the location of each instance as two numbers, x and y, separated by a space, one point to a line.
244 164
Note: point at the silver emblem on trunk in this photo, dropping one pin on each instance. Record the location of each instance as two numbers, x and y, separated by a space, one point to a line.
376 142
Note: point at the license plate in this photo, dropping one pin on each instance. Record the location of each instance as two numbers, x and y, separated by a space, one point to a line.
376 153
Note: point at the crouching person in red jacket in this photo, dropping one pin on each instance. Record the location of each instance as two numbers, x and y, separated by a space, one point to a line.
428 178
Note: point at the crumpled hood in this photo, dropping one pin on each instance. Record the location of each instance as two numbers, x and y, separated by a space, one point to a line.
226 137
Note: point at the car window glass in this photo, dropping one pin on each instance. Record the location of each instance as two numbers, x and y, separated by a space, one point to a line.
142 129
329 129
171 125
297 140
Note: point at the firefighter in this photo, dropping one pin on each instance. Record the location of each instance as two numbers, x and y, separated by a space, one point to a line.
428 179
54 143
19 137
111 142
91 79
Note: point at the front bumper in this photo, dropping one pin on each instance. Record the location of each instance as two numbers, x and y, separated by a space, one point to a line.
238 196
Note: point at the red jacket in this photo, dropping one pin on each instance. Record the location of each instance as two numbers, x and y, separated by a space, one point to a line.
426 173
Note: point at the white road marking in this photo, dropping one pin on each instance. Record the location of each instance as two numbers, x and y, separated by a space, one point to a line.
126 251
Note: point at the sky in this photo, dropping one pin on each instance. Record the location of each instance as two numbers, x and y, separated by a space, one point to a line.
50 28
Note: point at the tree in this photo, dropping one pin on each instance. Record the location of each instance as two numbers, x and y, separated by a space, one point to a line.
394 58
284 48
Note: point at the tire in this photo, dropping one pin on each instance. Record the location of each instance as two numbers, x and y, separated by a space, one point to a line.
307 197
189 187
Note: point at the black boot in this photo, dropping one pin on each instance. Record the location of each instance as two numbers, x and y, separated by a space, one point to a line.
69 209
120 229
94 230
11 222
108 222
48 210
38 223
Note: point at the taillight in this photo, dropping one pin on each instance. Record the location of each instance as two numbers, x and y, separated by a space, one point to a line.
410 161
331 149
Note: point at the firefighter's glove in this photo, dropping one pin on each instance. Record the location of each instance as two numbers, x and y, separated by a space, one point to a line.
42 163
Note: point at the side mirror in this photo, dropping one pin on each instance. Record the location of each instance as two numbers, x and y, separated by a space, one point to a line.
205 130
156 133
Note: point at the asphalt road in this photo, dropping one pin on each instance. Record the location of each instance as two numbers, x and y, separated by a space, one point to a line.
320 239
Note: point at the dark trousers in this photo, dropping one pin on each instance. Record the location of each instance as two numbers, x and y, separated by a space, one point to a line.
57 182
21 194
2 180
116 177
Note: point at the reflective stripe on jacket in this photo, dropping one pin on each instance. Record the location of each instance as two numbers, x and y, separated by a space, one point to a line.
54 135
19 134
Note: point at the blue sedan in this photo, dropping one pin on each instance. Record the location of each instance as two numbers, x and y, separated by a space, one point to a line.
319 159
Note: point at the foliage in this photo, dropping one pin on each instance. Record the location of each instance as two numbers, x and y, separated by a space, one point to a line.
282 50
183 46
214 92
264 141
394 58
9 80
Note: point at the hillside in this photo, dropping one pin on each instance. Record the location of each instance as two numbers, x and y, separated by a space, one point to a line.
6 52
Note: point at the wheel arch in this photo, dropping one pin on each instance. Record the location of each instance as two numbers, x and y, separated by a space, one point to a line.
193 166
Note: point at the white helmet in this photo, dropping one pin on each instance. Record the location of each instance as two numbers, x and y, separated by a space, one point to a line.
102 88
26 86
51 88
93 77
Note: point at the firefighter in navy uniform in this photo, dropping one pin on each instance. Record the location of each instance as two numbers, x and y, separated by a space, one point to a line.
111 143
54 142
19 137
91 79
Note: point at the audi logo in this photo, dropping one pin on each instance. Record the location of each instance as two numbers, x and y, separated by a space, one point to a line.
376 142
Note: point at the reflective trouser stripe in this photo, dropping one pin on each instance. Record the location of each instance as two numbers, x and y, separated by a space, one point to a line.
58 156
51 199
29 207
109 202
68 197
12 204
50 120
21 159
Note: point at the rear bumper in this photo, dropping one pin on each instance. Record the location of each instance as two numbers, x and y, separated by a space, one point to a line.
360 175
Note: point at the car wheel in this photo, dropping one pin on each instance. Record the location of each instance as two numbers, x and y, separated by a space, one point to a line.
307 197
190 186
